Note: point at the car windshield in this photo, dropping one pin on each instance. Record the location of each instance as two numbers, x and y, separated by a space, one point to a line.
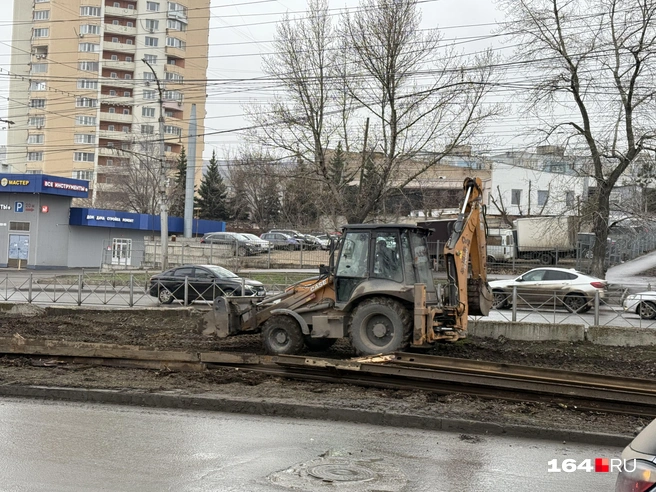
221 272
240 237
251 236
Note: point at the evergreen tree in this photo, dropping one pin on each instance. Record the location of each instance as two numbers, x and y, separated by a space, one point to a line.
337 164
212 194
177 198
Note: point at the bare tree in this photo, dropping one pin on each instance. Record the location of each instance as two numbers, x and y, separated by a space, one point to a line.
425 100
137 179
597 59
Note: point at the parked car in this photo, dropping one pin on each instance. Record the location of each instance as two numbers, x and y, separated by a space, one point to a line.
639 474
240 245
262 244
205 282
280 240
537 287
296 235
323 239
642 303
313 242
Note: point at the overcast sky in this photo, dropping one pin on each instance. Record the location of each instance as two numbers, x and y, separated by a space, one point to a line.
241 30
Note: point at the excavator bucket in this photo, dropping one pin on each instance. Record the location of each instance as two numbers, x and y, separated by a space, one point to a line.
479 297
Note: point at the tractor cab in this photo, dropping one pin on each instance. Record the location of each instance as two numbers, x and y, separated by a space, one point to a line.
382 259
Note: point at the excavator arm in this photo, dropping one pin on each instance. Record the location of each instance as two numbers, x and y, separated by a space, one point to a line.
467 295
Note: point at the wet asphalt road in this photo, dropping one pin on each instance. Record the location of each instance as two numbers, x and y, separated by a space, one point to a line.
49 446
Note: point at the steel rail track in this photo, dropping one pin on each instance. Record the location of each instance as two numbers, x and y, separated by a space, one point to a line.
400 371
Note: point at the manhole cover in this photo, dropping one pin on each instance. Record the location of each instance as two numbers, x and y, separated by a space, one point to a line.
346 472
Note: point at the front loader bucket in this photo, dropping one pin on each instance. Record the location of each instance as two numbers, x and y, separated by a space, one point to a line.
217 321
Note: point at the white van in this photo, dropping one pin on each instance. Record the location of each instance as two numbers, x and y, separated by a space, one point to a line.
500 245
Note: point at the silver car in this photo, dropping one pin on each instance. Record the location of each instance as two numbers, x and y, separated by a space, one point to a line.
642 303
544 287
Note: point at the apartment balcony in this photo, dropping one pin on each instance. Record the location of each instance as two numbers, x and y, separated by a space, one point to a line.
120 83
127 31
115 117
114 135
119 12
116 100
175 52
118 65
122 47
178 15
175 105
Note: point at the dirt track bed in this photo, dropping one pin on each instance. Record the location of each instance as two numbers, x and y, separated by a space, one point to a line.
179 332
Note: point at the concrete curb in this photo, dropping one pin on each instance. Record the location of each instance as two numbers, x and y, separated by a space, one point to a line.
275 408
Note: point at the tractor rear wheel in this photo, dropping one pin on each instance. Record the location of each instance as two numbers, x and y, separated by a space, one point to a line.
380 325
281 335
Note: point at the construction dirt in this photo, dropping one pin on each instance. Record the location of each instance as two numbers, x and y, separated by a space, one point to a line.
178 330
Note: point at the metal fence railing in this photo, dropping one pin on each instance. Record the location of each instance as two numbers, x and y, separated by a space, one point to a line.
127 289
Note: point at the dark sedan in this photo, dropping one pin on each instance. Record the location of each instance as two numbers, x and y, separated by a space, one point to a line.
204 282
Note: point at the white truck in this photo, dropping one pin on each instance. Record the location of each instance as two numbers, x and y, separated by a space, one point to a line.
546 238
500 245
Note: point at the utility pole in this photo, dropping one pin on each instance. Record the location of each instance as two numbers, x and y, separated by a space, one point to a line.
163 206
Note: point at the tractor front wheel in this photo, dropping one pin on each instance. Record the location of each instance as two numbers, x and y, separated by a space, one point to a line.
380 325
281 335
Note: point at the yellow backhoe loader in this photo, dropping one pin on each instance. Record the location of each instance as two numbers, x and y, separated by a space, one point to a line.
378 291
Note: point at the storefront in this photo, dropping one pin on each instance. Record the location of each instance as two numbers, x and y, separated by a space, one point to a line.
40 230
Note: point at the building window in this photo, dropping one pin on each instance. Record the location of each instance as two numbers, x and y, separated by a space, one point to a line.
516 197
20 226
149 76
87 11
172 130
85 175
126 111
174 77
149 94
111 110
34 156
110 128
148 112
85 120
127 76
39 68
176 25
151 41
126 129
152 59
114 57
127 94
147 129
129 24
41 15
175 43
83 156
109 162
128 58
37 85
42 32
37 103
87 84
129 41
86 102
89 47
569 198
89 29
152 6
35 138
112 92
152 24
114 40
117 4
85 138
88 66
543 196
173 95
36 121
113 75
116 23
176 7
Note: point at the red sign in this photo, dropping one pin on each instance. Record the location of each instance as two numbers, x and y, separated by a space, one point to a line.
44 209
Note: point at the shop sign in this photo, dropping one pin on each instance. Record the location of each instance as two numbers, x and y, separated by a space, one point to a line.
110 218
14 182
64 186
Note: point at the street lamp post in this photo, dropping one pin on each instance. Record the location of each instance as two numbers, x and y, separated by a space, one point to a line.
163 207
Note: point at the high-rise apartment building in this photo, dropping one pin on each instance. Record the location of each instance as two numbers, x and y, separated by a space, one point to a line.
83 100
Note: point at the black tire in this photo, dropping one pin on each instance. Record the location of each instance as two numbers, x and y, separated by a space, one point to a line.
576 303
241 251
500 300
647 310
291 247
165 296
546 259
491 259
318 344
380 325
281 335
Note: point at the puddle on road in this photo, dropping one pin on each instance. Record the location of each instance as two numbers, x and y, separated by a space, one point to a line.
344 470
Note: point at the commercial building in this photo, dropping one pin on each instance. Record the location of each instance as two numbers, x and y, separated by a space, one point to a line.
84 100
40 230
